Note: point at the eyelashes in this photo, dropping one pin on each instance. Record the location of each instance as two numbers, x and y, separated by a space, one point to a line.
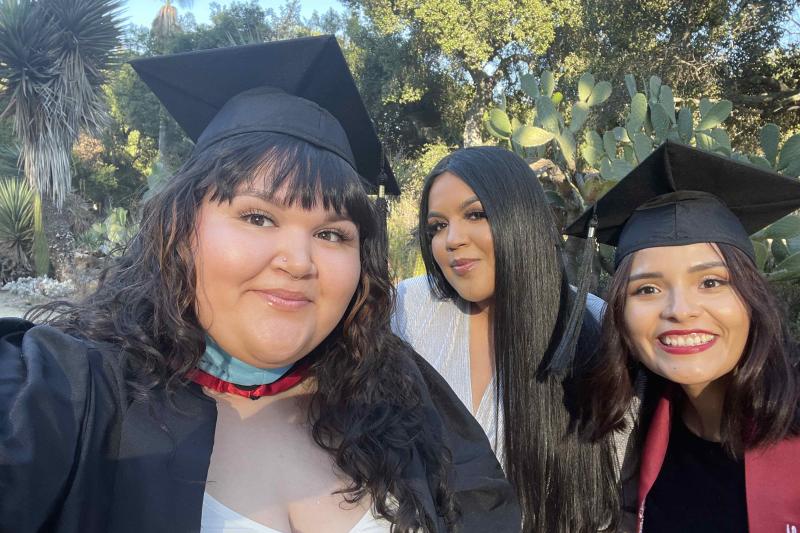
711 282
435 226
335 235
331 234
257 218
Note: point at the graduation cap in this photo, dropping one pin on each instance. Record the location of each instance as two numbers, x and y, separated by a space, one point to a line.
298 87
681 195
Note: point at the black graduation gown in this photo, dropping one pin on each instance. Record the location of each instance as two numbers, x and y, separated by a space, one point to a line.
79 455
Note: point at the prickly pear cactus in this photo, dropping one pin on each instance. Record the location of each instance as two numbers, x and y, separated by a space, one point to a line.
593 161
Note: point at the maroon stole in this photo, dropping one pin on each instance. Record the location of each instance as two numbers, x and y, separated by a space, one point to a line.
772 475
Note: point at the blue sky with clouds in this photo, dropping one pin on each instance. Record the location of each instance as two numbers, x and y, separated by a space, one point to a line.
141 12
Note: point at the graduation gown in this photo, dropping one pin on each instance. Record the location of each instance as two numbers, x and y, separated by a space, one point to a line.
80 454
772 475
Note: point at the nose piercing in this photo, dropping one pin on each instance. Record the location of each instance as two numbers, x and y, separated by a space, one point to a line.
284 260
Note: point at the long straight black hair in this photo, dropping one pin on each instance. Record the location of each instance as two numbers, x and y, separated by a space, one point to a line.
563 484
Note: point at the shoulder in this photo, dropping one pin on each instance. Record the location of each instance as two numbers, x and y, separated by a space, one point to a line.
437 398
413 291
416 307
45 360
596 306
60 400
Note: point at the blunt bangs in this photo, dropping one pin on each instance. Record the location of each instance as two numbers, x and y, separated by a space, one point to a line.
302 173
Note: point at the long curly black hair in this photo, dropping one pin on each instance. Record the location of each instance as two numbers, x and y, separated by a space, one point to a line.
366 406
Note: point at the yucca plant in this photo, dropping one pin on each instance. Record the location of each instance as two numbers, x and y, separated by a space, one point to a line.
53 54
9 167
112 235
16 219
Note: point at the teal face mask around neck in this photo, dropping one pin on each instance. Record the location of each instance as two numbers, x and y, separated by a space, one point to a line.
222 365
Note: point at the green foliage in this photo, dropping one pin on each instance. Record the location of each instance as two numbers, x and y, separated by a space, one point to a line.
52 57
40 250
110 236
21 232
404 257
475 44
16 218
166 21
603 159
788 294
548 123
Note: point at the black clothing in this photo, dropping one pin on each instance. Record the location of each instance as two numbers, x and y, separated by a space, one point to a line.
78 454
700 488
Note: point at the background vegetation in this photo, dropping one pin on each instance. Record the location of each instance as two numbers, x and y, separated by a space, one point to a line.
435 75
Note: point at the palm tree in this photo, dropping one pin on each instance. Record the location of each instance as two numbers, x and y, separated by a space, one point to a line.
166 22
53 55
164 26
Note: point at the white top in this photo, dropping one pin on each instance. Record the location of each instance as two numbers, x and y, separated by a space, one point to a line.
439 331
218 518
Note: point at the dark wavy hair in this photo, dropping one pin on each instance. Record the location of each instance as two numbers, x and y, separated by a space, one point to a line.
366 409
762 402
563 485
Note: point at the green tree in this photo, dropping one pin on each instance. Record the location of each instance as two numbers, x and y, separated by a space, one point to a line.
53 58
112 169
411 99
480 42
53 55
717 48
163 30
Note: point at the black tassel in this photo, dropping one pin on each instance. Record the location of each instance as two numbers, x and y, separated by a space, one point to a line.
564 355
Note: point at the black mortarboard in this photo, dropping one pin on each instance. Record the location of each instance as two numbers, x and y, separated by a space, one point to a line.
299 87
681 195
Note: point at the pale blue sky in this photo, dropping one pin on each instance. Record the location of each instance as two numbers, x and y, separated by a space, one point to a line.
141 12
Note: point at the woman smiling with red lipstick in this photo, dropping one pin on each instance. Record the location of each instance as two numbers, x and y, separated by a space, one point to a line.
691 318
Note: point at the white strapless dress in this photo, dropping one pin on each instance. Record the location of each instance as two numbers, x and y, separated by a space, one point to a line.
218 518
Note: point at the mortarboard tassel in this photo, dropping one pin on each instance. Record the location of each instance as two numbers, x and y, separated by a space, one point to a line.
564 354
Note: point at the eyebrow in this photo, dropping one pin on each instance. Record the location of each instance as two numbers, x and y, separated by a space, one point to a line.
696 268
463 205
332 215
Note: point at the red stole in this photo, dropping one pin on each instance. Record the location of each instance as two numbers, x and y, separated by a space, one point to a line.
292 378
772 475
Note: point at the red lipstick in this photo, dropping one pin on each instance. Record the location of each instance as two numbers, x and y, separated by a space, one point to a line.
676 349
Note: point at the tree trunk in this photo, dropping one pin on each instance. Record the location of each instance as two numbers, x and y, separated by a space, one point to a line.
60 239
162 138
554 179
473 126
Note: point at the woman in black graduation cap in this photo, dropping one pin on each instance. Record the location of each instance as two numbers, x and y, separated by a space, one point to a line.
235 370
691 317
